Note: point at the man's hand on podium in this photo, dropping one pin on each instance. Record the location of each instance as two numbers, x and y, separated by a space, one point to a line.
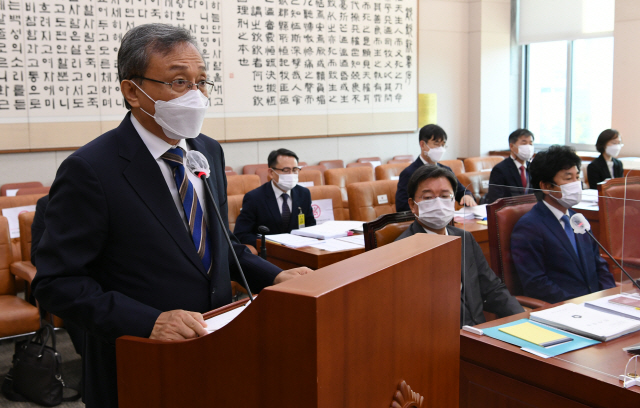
178 325
291 273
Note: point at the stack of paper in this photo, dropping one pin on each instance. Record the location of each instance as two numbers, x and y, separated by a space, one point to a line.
586 321
536 334
478 212
290 240
221 320
605 305
330 229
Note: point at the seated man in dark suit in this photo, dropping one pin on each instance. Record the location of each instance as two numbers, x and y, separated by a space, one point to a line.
554 263
510 177
280 205
431 200
432 139
606 166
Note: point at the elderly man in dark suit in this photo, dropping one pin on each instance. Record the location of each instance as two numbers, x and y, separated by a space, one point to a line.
510 177
280 204
553 262
132 245
431 199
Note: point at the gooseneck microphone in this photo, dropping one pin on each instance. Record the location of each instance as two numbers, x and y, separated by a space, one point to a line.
263 242
198 165
580 225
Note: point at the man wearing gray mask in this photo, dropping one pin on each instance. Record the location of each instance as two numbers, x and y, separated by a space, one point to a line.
132 245
431 199
552 262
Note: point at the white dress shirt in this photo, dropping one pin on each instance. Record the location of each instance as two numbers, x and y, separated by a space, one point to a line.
280 199
610 166
157 147
557 213
518 165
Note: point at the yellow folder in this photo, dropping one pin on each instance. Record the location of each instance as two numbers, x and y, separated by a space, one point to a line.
535 334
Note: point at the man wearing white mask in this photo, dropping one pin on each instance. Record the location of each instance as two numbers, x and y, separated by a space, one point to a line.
606 166
554 263
433 141
510 177
280 205
132 245
431 200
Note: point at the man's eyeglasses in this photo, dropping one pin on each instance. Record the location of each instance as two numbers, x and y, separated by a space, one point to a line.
182 85
288 170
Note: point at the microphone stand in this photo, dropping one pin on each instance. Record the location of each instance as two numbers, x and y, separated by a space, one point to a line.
613 259
203 176
263 243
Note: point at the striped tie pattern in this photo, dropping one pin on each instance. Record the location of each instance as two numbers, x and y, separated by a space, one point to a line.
191 204
286 212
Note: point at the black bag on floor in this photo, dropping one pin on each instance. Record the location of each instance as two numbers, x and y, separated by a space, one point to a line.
36 369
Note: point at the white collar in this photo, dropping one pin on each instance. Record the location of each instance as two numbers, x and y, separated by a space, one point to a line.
279 192
428 231
518 164
557 213
157 147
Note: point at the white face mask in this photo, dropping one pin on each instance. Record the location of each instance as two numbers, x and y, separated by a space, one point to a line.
287 181
571 194
613 150
436 213
436 153
525 152
182 117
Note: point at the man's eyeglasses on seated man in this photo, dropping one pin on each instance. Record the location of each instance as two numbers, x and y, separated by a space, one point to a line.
182 85
288 170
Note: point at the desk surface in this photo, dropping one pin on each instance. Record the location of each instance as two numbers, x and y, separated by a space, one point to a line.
314 258
587 376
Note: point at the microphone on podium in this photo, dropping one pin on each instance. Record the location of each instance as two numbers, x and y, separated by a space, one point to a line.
263 242
580 225
198 165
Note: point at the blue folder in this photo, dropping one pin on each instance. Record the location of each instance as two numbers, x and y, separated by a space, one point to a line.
578 342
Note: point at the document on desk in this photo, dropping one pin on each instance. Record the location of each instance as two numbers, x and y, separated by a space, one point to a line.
333 245
478 212
605 305
221 320
354 239
292 241
330 229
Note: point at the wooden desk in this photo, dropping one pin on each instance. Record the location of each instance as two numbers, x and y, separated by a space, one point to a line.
314 258
498 374
480 233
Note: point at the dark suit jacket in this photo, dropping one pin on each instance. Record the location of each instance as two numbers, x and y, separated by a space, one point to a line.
598 171
116 253
546 263
260 207
37 227
482 289
505 173
402 196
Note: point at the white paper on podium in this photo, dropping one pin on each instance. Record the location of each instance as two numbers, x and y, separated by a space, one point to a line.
322 210
221 320
12 217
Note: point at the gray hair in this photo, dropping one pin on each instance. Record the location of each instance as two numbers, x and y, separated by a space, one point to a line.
140 42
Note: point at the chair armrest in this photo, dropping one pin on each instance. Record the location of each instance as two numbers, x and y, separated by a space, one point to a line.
24 270
531 303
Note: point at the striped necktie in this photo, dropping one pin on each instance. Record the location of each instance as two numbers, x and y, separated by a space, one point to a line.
191 206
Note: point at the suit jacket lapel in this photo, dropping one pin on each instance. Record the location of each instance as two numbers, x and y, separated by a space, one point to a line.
145 177
550 220
272 205
515 173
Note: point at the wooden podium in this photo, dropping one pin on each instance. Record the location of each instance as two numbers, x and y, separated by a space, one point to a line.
345 336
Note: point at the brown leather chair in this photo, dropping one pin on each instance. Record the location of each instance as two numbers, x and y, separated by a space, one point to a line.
360 164
477 182
387 171
311 175
343 177
263 173
394 161
241 184
24 269
583 174
502 216
619 232
408 157
17 316
333 193
368 159
33 190
228 170
18 201
481 163
234 205
321 168
17 186
251 168
332 164
386 228
371 199
456 166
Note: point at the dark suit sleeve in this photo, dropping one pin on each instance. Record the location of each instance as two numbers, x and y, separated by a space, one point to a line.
461 191
309 219
496 179
593 175
76 235
402 197
605 278
246 224
495 294
618 168
37 227
527 251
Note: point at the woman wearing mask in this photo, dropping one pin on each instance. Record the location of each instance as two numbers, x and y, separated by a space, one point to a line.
606 166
